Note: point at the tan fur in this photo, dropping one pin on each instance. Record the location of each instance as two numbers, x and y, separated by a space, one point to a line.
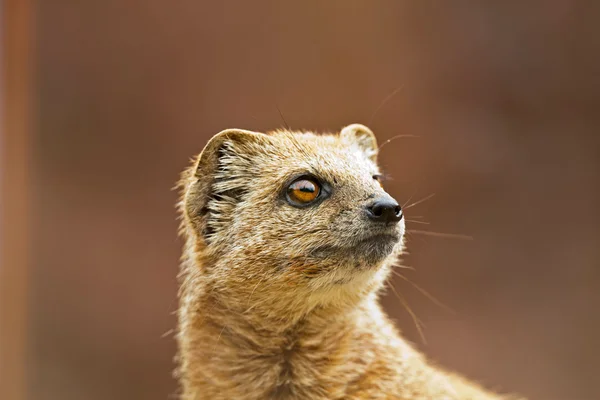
269 308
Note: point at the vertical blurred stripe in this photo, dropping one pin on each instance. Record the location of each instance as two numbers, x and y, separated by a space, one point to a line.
16 116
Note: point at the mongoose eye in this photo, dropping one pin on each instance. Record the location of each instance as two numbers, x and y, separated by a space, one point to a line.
303 191
378 178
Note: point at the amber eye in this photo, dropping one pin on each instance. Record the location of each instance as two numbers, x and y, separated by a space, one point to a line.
303 191
378 178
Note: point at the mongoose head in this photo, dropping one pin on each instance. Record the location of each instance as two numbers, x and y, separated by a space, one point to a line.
291 210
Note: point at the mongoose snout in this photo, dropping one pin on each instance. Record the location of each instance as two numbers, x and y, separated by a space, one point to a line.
385 210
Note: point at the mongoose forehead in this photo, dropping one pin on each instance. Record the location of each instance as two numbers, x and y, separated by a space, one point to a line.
236 201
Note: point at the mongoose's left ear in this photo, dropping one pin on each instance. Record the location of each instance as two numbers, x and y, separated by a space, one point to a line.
362 137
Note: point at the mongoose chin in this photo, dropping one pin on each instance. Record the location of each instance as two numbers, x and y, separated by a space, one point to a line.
289 237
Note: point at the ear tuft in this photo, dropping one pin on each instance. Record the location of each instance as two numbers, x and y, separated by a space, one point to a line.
216 174
208 159
362 137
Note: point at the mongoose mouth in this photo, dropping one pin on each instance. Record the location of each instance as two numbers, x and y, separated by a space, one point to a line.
381 237
375 248
366 250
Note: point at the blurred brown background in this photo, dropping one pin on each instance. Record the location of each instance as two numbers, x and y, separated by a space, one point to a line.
504 97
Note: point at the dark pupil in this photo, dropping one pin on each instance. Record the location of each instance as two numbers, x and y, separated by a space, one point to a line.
307 188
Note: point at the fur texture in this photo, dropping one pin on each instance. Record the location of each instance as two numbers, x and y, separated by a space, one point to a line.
280 302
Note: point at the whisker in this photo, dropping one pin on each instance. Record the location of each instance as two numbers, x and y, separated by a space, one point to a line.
411 237
256 286
442 235
385 100
419 202
219 338
431 297
409 199
404 267
167 333
418 323
417 222
396 137
282 118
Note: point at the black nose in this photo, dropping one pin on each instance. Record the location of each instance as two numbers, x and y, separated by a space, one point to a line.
385 210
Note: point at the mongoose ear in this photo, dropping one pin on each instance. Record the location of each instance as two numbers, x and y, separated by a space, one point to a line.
234 140
362 137
218 174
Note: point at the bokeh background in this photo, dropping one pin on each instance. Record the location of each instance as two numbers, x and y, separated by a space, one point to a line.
503 96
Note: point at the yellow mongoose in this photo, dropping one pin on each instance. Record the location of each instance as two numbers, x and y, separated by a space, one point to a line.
289 236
